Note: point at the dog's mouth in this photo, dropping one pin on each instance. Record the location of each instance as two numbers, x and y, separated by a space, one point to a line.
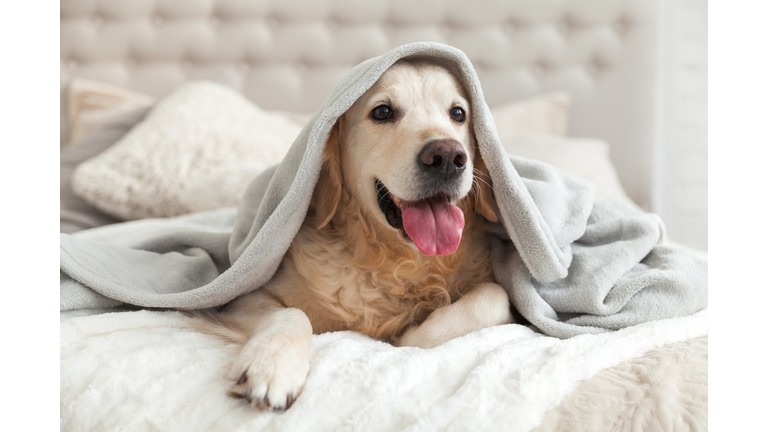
433 224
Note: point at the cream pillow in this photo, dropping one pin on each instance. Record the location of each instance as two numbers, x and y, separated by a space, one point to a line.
193 139
588 158
93 104
547 114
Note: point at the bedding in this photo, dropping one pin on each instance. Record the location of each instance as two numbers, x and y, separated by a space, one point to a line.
663 390
586 158
75 213
577 265
103 114
601 53
146 371
200 135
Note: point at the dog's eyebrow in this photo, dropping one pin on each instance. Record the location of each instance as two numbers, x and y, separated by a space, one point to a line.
381 101
463 103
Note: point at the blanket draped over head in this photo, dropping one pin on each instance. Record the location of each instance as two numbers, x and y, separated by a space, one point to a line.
571 264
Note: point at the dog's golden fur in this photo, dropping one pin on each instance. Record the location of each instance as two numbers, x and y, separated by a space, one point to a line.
363 277
348 269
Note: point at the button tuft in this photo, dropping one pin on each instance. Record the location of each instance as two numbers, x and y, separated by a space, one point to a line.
538 69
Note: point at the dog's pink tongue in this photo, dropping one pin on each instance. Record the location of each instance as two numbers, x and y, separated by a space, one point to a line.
434 225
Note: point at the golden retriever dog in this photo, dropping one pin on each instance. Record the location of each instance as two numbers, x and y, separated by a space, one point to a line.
393 245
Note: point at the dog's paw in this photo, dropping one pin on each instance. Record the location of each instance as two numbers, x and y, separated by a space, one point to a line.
485 305
422 337
269 375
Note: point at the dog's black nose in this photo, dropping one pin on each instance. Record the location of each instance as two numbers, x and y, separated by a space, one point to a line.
443 158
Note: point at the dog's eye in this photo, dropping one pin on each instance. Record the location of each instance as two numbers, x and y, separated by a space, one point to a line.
457 114
382 112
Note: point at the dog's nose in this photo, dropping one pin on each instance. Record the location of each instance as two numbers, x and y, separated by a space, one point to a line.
443 158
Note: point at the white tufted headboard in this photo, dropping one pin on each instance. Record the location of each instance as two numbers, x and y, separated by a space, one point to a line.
289 54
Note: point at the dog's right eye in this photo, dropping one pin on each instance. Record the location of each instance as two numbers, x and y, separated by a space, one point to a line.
382 112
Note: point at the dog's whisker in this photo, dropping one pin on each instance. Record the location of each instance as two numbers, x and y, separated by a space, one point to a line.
486 183
477 191
475 194
479 175
479 172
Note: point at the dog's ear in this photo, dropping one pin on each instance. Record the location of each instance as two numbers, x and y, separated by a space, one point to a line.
486 202
327 195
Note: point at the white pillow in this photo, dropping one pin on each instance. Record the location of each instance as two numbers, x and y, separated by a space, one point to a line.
191 140
588 158
546 114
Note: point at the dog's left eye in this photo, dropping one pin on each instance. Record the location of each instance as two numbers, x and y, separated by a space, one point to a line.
457 114
382 112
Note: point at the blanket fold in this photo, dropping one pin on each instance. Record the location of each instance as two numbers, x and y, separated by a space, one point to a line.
571 264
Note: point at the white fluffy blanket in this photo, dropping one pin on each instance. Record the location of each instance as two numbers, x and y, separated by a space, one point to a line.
146 371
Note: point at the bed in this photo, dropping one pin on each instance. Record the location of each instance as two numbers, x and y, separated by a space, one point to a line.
551 72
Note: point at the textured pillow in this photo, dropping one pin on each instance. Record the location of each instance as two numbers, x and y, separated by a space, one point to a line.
102 132
587 158
539 115
75 214
200 134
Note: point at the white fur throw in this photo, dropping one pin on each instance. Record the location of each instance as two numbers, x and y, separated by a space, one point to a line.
197 149
145 371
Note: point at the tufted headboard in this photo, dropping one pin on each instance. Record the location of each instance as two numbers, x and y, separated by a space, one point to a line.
289 54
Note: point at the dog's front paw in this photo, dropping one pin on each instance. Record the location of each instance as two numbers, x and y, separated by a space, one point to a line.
269 374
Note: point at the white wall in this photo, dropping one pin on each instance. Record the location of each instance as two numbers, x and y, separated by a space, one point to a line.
680 180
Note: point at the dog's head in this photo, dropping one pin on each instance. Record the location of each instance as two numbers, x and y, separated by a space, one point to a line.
406 153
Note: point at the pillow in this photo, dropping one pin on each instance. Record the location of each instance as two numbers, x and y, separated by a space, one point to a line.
200 133
92 104
539 115
587 158
75 214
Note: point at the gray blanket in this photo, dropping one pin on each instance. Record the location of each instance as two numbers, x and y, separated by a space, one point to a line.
571 264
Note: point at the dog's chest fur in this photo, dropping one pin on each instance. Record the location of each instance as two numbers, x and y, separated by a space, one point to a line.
353 276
